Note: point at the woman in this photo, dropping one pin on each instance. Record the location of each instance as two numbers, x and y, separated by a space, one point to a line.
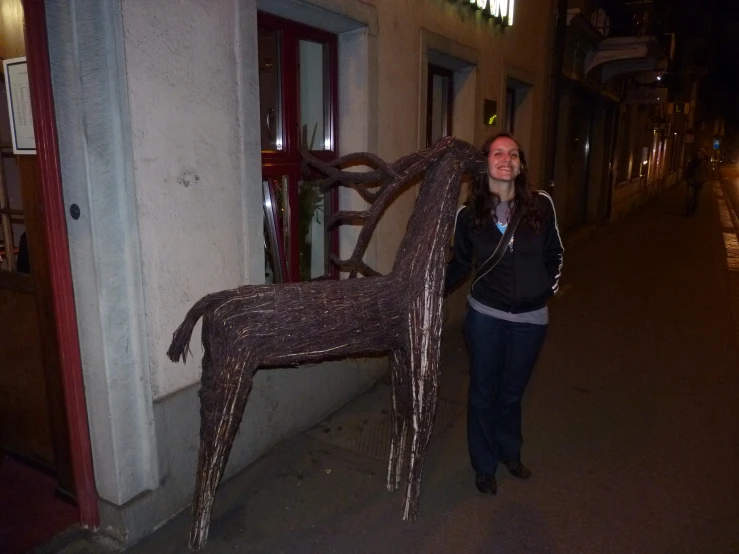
507 318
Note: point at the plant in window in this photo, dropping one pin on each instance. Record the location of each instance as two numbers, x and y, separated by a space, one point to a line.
310 208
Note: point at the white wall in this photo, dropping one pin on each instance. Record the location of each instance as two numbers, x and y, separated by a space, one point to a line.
90 97
182 82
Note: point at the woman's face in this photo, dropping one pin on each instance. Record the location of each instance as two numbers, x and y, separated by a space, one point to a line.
504 162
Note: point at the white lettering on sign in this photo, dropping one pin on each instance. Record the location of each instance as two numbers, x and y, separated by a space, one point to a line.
499 9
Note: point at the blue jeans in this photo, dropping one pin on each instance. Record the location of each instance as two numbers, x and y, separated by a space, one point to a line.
502 357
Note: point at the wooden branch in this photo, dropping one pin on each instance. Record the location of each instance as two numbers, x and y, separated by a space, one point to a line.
417 166
366 195
354 267
385 171
346 216
336 175
395 175
362 158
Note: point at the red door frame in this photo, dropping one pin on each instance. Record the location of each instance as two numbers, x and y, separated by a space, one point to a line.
55 230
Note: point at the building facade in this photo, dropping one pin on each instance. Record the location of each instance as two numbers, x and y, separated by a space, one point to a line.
625 115
179 128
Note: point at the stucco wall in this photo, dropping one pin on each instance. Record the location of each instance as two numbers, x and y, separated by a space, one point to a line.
182 82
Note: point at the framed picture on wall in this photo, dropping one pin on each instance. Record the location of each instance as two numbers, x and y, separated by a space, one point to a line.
18 93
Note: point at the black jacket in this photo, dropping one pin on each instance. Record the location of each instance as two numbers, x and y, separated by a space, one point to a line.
528 273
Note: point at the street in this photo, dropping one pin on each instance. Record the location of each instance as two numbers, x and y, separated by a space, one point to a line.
631 424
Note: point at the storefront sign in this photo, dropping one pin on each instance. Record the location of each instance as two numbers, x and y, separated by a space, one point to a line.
19 105
502 10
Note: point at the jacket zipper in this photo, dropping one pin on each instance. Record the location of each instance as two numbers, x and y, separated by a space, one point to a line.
513 277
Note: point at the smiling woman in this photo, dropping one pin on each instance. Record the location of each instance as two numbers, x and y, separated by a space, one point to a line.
507 318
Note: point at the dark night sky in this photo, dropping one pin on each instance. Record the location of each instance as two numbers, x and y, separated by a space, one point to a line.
721 85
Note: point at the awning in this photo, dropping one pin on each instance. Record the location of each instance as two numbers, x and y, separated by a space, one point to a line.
634 54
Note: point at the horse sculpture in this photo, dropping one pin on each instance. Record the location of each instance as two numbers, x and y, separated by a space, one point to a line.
399 314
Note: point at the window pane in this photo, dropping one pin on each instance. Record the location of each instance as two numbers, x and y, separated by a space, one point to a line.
12 182
439 104
22 261
276 230
315 240
510 107
313 80
13 243
270 105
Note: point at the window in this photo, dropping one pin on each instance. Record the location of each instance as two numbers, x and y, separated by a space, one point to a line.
439 105
624 161
510 109
519 111
13 243
298 106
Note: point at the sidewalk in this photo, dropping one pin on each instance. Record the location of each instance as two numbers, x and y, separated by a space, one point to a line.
631 420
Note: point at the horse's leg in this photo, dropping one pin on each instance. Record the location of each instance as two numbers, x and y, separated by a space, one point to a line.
400 416
425 324
225 386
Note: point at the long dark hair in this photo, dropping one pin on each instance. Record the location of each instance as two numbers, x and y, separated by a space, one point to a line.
483 202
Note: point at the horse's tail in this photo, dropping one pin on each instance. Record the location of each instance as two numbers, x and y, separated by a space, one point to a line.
181 337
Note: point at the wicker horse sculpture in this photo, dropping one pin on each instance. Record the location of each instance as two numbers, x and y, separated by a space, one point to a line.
399 314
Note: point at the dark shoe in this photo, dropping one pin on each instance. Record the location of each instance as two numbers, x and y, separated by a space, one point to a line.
486 484
519 470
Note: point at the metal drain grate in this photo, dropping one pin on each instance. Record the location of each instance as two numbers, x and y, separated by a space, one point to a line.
369 434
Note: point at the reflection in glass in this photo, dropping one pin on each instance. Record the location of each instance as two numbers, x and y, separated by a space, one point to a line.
439 104
12 181
270 110
22 260
313 95
13 241
510 109
276 233
315 242
439 114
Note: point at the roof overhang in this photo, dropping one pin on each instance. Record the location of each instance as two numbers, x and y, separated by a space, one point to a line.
622 55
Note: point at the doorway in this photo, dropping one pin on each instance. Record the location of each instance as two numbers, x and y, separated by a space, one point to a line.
578 157
44 484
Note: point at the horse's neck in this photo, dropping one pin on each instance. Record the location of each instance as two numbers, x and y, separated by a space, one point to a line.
431 224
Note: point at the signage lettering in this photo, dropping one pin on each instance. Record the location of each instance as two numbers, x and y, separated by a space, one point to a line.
501 10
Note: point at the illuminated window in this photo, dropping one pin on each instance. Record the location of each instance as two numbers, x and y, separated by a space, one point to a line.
298 106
